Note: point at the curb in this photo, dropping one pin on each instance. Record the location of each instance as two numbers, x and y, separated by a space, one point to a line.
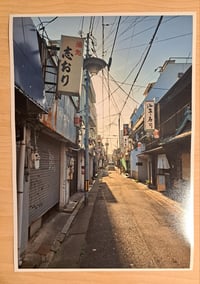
64 232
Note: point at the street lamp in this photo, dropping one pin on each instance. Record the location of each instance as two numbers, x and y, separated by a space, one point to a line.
92 65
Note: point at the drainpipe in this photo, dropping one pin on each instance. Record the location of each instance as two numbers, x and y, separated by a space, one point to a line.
20 190
62 179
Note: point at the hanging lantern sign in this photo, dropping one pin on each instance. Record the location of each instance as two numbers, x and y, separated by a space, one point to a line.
70 66
149 116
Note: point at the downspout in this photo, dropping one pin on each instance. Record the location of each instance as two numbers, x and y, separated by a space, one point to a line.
62 202
20 190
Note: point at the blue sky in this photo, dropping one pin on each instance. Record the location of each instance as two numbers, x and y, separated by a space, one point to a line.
173 39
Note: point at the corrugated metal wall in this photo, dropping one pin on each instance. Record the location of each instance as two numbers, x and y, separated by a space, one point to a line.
44 182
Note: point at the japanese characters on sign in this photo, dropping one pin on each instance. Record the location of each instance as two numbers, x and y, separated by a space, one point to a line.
70 65
149 116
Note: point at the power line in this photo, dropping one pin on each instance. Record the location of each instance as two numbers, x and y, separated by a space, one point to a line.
143 31
150 45
110 59
81 28
41 26
128 26
47 22
111 30
129 74
156 41
120 87
91 25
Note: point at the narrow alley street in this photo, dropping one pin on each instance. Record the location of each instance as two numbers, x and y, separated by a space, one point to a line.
131 227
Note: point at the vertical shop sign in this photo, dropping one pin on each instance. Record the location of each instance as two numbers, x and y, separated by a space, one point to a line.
149 116
70 65
125 129
125 141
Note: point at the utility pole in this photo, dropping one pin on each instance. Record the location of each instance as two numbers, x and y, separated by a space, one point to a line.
91 65
119 128
86 181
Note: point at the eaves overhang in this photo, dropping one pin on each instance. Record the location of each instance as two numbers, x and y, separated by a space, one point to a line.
59 137
27 103
177 138
159 149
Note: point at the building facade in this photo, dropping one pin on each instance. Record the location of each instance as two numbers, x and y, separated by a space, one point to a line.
161 157
49 151
92 121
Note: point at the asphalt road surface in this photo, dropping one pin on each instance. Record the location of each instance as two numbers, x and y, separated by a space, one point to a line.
126 226
134 227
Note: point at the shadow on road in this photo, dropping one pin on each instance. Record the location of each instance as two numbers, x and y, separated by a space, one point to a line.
106 193
101 250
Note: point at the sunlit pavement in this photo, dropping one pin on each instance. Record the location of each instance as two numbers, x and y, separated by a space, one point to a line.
130 227
124 225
